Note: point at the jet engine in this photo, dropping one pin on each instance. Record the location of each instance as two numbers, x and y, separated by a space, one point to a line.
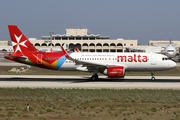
115 72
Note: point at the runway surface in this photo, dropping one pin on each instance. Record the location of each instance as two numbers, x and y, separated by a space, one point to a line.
129 82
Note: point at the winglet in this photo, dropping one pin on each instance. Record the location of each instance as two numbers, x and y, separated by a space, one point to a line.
65 53
77 49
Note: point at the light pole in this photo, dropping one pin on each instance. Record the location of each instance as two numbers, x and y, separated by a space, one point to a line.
51 33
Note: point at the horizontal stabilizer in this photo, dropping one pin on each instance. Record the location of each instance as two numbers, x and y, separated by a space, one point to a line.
22 58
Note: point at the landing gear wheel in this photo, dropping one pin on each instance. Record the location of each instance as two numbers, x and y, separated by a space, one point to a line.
153 78
152 74
94 77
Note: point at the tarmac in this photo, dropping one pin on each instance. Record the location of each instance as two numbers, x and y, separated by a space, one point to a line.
84 82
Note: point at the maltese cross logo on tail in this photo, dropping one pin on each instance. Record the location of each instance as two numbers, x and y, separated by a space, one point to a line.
18 43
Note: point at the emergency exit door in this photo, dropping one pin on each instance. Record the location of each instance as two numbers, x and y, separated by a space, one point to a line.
39 58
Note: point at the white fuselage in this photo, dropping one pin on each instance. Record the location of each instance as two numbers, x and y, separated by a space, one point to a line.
130 61
170 51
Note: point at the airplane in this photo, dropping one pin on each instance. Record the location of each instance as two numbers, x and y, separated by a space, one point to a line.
114 65
170 50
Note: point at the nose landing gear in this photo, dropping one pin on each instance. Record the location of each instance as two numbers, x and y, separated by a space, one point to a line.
152 74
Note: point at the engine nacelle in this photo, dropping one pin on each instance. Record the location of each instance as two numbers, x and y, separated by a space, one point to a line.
115 72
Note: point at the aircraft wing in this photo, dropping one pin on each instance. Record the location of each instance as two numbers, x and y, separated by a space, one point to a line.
89 65
134 49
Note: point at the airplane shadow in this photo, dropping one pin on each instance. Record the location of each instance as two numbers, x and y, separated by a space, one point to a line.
85 79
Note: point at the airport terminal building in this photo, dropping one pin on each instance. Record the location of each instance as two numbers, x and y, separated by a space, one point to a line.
84 41
164 44
80 38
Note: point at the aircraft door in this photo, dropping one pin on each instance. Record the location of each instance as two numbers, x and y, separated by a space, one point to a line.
153 59
39 58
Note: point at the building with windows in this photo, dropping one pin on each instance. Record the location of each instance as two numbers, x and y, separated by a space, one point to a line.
164 44
84 41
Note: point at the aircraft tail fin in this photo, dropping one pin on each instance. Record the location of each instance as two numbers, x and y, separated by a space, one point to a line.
20 43
170 35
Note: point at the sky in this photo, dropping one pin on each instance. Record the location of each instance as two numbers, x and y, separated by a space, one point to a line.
128 19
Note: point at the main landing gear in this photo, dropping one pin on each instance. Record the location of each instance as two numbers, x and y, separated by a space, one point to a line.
94 77
152 74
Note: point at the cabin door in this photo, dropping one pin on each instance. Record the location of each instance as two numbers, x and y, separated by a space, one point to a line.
39 58
153 59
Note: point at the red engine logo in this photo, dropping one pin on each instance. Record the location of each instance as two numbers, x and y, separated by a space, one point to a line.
115 72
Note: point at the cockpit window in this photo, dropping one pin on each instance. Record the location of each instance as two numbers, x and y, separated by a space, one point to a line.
170 51
166 58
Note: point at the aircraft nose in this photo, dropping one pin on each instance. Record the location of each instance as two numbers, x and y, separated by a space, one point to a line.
173 64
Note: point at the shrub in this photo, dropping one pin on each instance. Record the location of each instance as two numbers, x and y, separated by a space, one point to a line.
2 115
49 110
18 114
92 106
41 112
25 116
138 119
10 113
153 109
